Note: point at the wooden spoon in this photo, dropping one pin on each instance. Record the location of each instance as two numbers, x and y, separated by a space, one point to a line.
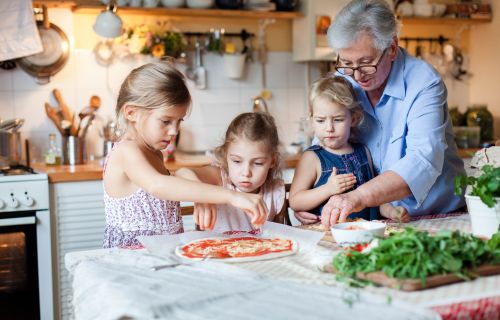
52 114
66 112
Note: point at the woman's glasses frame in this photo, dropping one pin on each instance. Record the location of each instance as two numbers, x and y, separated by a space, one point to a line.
364 69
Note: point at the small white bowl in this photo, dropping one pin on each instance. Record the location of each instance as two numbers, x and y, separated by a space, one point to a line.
357 232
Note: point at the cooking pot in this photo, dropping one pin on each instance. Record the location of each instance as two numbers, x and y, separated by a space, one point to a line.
55 52
10 148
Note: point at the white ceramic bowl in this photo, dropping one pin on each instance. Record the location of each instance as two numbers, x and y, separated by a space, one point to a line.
357 232
173 3
200 4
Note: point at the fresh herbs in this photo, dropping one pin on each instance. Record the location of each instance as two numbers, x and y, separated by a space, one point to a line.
414 254
486 186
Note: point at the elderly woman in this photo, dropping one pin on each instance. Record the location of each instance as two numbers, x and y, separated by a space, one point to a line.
407 127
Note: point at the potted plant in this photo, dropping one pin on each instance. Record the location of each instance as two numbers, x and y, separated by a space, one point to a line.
483 199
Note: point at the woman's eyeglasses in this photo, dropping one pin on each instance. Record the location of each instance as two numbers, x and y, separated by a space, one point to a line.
364 69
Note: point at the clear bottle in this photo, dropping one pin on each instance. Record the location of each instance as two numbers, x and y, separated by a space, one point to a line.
53 155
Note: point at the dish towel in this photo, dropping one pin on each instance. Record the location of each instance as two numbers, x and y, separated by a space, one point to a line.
18 30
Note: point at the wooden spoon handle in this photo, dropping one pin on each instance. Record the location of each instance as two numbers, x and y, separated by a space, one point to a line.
66 112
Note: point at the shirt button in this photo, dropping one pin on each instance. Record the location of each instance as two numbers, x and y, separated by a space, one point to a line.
378 144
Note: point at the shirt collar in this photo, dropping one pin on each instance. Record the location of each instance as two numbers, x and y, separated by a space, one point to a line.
396 86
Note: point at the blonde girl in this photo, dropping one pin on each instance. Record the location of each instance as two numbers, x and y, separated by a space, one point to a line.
140 195
246 162
337 163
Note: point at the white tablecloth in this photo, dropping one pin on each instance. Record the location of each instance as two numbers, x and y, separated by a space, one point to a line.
112 283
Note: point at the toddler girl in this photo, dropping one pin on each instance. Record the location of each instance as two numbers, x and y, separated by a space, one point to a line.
248 162
140 196
337 163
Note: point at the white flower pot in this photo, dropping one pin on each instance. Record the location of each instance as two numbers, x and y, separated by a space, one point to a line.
484 220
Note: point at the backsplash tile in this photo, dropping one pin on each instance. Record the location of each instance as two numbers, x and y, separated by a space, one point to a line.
212 110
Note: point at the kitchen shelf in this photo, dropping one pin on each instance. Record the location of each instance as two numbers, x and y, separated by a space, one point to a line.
445 21
89 6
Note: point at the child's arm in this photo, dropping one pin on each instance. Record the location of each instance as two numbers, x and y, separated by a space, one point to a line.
147 172
302 197
204 214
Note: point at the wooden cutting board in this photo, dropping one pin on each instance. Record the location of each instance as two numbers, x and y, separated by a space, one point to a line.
382 279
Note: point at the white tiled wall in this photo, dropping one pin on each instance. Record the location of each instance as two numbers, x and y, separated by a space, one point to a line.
212 110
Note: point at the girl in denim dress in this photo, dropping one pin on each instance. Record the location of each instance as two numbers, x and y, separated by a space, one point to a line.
337 163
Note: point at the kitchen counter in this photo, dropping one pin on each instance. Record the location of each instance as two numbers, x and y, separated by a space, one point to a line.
93 169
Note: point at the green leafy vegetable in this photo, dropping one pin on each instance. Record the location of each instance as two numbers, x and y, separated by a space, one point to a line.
414 254
486 186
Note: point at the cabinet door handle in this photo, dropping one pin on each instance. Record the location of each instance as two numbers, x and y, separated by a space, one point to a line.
17 221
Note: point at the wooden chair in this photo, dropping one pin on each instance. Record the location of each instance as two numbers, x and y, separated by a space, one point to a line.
283 216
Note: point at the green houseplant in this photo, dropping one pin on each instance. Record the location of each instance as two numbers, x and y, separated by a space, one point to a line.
483 200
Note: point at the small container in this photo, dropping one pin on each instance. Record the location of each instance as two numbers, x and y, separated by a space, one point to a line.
467 137
108 146
234 65
73 150
357 232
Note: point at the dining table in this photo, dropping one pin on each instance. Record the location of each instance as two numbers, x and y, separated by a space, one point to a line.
120 283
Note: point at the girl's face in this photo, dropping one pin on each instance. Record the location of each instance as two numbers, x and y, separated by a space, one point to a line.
248 164
158 127
332 124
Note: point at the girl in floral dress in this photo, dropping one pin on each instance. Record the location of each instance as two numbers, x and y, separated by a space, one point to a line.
140 195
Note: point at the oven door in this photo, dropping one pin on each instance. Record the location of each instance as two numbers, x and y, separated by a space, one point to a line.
18 266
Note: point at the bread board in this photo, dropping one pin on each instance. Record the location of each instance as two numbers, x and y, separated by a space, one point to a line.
380 278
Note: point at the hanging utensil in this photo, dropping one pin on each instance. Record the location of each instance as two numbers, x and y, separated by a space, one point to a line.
54 117
55 52
262 52
199 73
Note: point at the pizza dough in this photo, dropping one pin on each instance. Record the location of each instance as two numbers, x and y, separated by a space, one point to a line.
237 249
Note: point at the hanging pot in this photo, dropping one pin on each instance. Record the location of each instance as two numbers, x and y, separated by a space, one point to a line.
55 52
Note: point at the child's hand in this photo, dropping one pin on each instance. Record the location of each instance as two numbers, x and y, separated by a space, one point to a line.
204 215
253 205
339 183
398 213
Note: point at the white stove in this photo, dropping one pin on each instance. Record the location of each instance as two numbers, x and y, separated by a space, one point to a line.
26 290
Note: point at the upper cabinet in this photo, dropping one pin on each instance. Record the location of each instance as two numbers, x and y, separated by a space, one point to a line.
95 6
309 32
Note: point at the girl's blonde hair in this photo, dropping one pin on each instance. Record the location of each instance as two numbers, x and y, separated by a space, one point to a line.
256 127
337 90
151 86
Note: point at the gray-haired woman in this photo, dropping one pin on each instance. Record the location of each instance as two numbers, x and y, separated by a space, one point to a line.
407 128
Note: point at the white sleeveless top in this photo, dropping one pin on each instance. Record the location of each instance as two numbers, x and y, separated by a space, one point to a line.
230 218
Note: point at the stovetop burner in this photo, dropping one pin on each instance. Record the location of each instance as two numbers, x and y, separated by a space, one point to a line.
16 170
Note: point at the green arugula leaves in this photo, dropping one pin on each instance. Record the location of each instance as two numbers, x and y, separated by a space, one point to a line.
414 254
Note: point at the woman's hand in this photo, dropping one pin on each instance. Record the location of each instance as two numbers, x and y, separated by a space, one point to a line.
339 183
306 217
253 205
398 213
205 215
339 207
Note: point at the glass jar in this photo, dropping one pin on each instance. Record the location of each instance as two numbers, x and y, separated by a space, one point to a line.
479 116
457 118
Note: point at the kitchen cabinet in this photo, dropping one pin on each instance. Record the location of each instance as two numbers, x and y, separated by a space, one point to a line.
95 6
309 32
77 210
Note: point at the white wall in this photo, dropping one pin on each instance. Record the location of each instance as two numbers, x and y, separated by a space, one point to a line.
485 64
212 111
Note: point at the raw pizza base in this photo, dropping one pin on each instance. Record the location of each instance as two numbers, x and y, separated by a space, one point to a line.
268 256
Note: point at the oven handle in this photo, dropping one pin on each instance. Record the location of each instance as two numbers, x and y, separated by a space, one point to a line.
17 221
